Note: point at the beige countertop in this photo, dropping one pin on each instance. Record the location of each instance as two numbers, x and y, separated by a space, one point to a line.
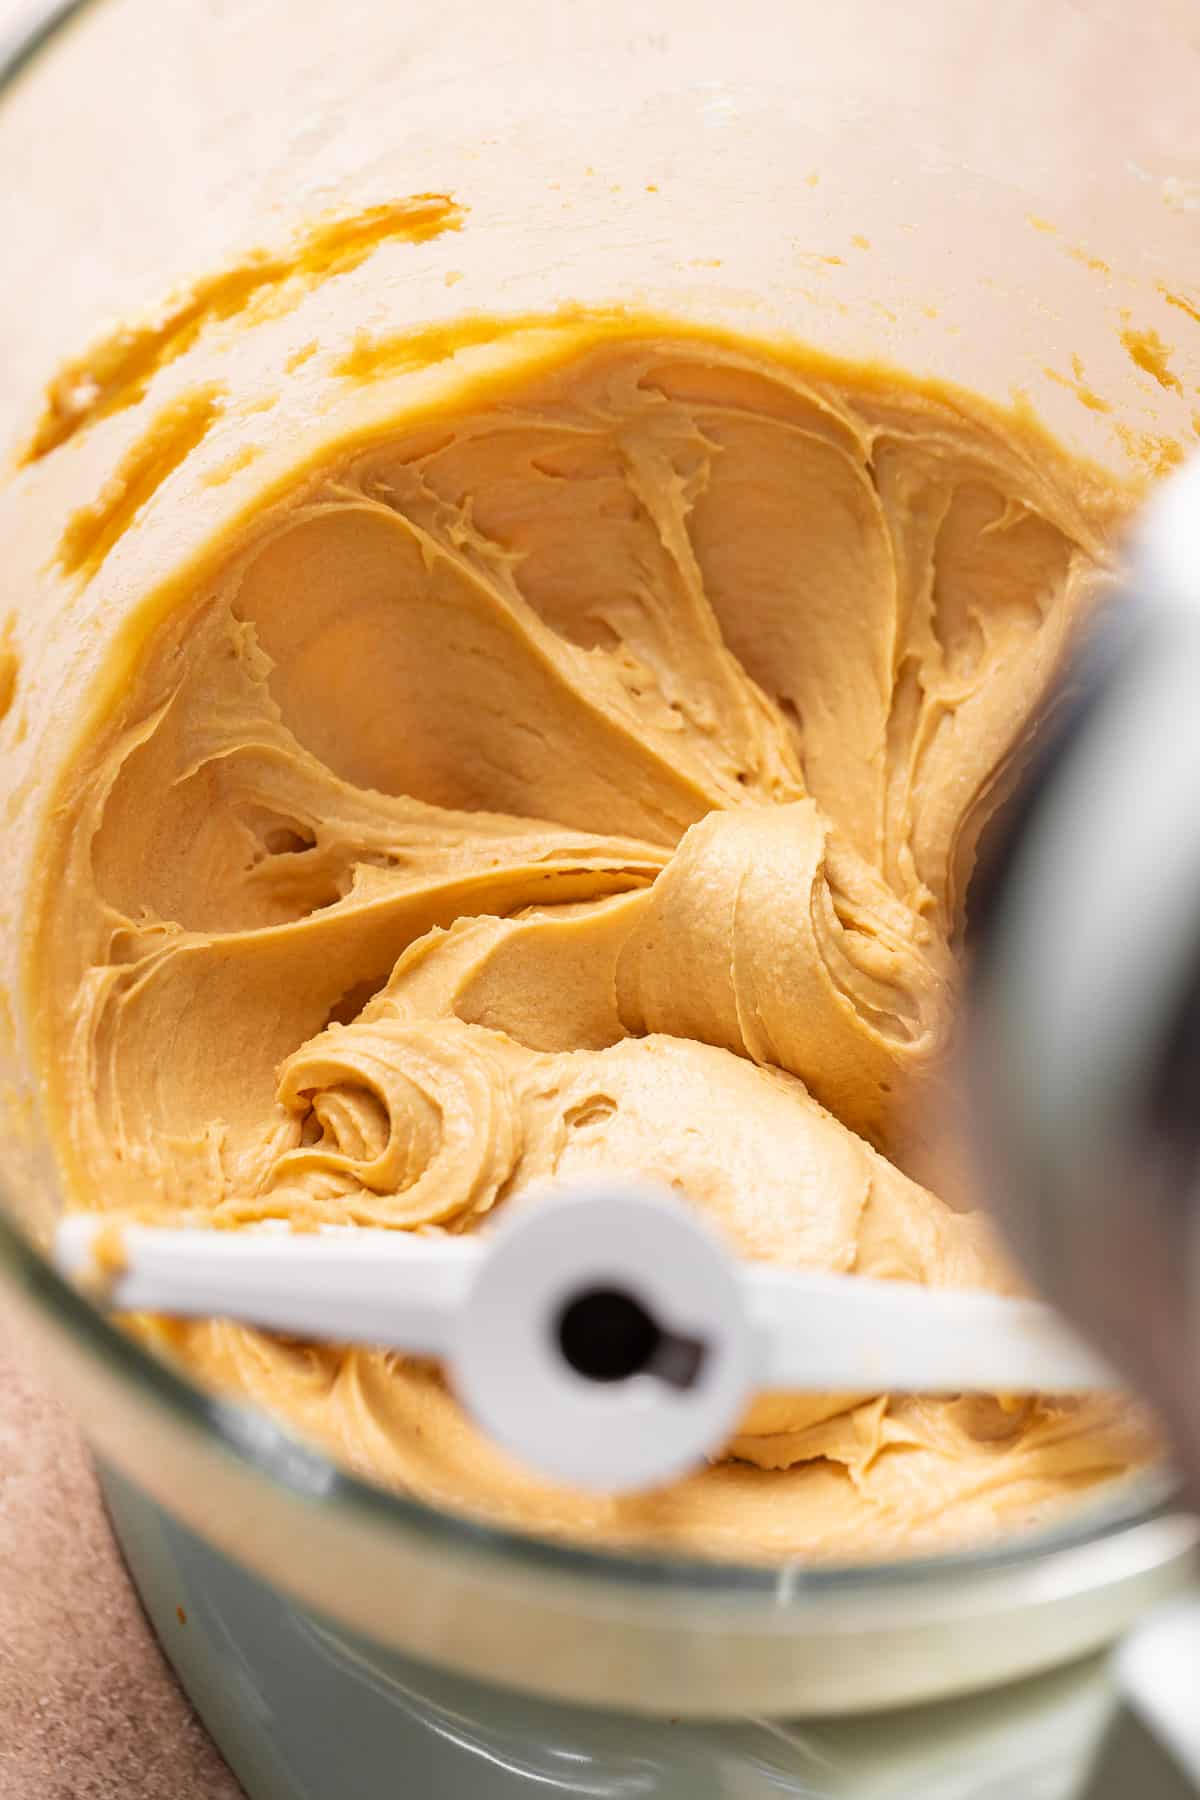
89 1709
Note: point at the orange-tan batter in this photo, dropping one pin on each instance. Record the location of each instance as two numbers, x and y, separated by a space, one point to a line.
568 758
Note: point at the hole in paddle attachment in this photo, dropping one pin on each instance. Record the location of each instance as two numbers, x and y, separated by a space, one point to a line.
607 1335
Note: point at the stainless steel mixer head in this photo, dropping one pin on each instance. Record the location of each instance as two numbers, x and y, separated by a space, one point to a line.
1085 986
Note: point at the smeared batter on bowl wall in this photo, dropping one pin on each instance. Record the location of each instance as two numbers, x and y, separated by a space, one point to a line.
567 758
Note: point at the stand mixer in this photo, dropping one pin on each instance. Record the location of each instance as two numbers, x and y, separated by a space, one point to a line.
605 1336
339 1640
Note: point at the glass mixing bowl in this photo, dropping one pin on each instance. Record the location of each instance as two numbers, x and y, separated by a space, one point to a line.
1008 198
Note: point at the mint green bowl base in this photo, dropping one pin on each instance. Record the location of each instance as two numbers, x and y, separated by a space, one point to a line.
303 1710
